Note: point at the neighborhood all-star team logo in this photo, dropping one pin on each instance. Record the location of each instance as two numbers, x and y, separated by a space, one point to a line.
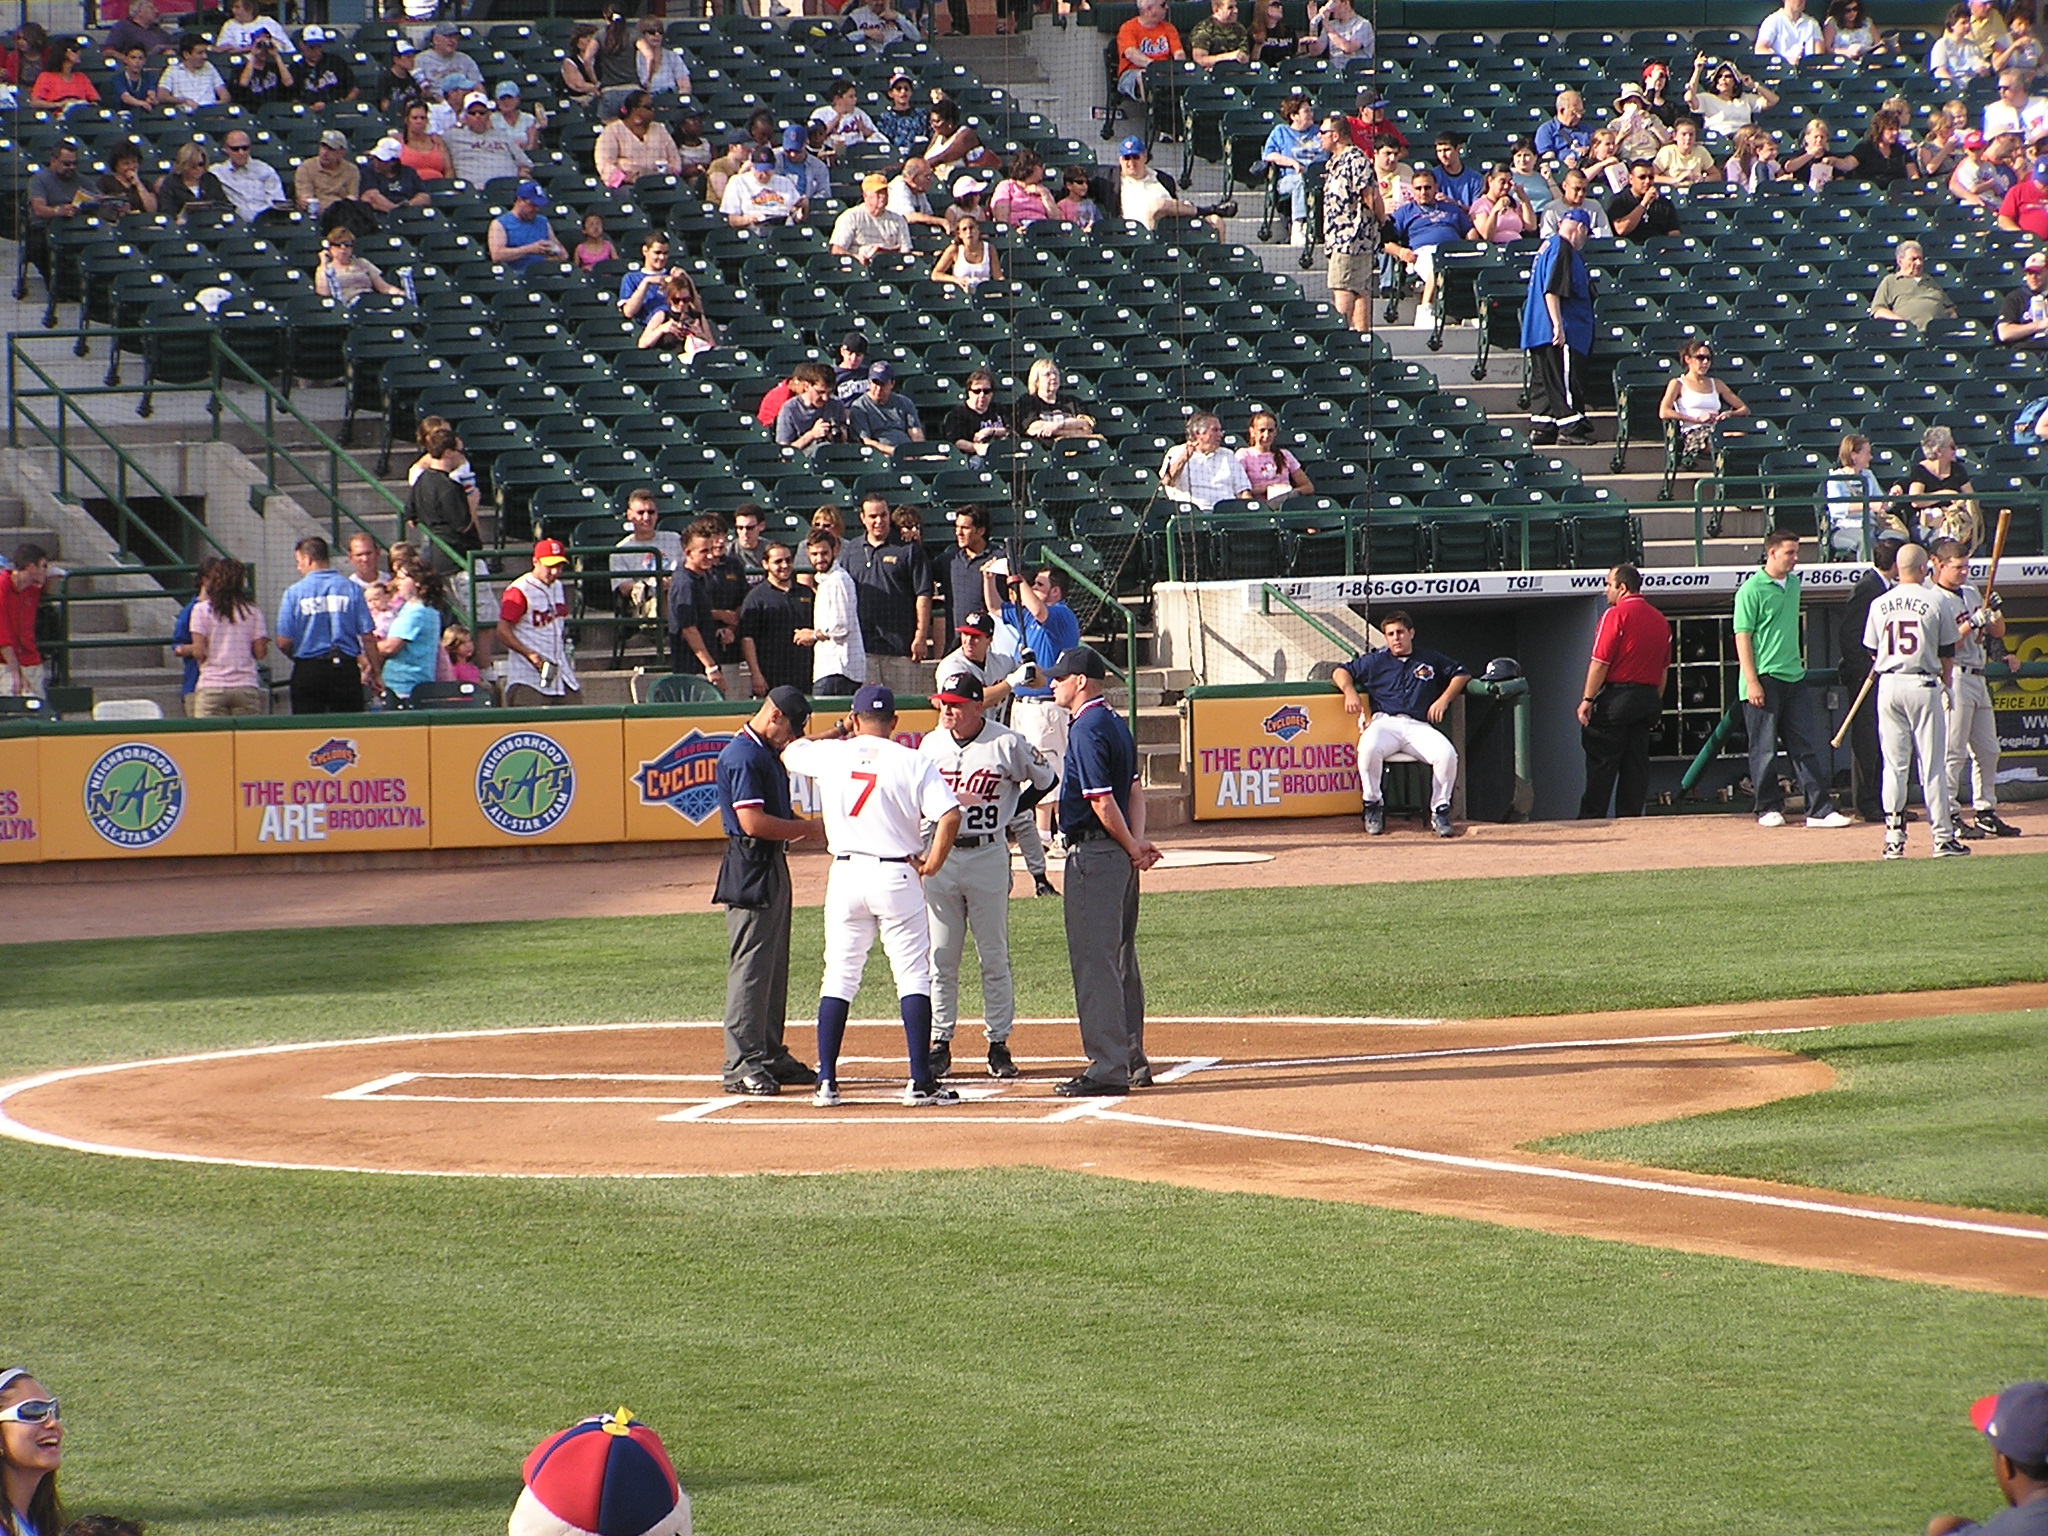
334 756
525 783
134 795
685 777
1286 722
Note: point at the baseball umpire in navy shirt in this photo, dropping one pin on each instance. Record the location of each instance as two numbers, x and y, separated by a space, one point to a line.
753 887
1102 817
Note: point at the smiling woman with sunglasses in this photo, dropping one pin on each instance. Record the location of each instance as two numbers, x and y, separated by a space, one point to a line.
31 1447
1698 402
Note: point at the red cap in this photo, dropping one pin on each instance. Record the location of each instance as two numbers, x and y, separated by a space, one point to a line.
551 551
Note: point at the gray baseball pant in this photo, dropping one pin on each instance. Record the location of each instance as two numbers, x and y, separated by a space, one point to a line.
1030 842
1910 721
1973 738
972 890
1101 909
757 979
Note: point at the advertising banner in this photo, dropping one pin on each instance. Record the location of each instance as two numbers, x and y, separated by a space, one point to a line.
155 793
527 776
1274 755
21 839
671 774
2021 706
331 791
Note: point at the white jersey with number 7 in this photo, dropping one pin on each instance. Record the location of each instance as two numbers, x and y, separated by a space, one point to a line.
1907 628
875 793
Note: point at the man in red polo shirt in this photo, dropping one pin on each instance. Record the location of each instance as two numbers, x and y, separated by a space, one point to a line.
21 589
2025 208
1370 127
1624 696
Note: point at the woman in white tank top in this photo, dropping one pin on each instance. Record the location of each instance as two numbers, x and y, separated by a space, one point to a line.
1697 402
969 261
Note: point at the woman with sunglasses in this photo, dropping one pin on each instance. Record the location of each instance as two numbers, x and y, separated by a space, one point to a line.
31 1448
1698 403
341 276
971 425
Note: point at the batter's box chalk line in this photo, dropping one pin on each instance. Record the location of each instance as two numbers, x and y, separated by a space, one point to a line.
1099 1112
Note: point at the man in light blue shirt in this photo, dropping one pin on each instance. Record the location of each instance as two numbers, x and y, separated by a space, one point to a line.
796 161
1036 608
321 624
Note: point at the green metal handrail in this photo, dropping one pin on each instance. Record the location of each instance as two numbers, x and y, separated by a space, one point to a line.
1076 578
1268 592
173 582
129 523
1351 519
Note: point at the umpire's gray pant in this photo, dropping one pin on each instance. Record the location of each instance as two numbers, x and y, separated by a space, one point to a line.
1911 720
1101 905
1973 739
972 890
757 979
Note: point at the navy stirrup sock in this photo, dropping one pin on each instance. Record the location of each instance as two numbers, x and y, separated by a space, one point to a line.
832 1012
917 1034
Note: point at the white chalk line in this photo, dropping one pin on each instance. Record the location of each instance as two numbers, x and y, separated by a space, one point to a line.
1110 1110
1576 1176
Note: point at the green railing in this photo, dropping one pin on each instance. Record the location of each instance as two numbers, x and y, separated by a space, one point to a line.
1182 529
131 532
1109 604
173 582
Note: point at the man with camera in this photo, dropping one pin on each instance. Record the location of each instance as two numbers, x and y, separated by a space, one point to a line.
265 75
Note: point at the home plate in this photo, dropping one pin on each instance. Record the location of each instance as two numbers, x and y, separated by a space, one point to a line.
1172 858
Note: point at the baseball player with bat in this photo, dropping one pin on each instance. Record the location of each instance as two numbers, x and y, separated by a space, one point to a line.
995 773
1972 725
1911 635
875 794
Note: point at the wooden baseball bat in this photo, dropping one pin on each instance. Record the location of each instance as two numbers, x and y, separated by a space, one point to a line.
1869 682
1997 550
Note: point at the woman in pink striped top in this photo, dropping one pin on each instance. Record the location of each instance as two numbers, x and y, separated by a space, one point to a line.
228 639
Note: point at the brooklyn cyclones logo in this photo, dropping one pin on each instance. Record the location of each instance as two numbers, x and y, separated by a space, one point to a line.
525 784
685 777
1286 722
334 756
134 796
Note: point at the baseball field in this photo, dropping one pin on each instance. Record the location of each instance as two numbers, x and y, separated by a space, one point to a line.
1452 1248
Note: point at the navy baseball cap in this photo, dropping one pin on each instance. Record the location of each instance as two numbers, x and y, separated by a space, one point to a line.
883 373
1131 146
2015 1421
964 689
1080 661
976 623
874 699
854 342
791 704
1578 216
794 138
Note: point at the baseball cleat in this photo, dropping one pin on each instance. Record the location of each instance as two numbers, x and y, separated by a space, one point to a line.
756 1084
923 1095
1000 1063
1951 848
1832 819
1375 818
1440 822
940 1055
1895 845
1771 819
791 1073
1989 822
1970 833
1041 886
827 1096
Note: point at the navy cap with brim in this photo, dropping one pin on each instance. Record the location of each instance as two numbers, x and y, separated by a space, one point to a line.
963 689
791 704
874 699
1080 661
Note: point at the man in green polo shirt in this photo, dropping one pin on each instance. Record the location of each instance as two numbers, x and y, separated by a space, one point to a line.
1776 701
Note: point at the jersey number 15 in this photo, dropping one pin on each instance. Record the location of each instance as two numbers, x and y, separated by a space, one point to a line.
1901 637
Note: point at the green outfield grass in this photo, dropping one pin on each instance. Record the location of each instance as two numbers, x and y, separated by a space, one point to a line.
1450 948
1025 1351
1950 1110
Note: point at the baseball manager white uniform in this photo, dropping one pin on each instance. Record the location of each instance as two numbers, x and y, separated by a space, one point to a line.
875 795
1911 634
1000 672
989 768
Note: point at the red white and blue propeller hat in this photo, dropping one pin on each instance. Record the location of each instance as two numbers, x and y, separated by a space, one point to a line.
605 1476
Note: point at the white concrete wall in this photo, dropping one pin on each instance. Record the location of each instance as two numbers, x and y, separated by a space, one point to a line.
1210 631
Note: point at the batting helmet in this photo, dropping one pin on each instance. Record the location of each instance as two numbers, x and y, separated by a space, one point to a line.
1502 669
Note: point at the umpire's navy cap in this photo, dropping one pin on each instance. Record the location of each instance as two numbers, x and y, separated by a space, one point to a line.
791 704
1080 661
874 699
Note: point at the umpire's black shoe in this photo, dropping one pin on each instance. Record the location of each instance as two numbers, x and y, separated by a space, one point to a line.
1085 1087
1141 1077
1375 818
1000 1062
1041 886
756 1084
1989 822
941 1057
791 1073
